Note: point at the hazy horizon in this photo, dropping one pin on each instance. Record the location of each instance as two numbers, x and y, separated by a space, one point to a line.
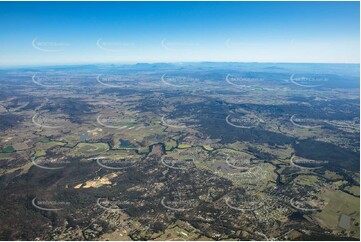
153 63
51 33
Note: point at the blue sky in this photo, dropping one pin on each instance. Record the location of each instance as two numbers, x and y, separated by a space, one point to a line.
126 32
